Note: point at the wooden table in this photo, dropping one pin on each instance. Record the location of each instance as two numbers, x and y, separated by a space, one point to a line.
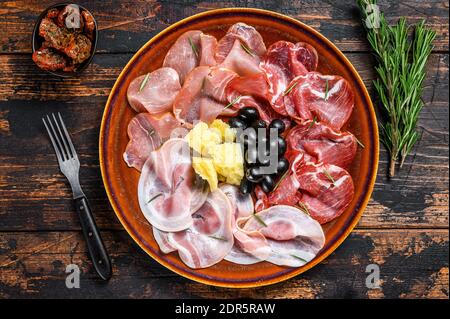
404 229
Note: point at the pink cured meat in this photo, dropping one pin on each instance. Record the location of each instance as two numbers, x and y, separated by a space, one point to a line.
249 247
158 92
202 96
147 132
240 61
208 47
162 238
168 190
282 62
247 35
293 236
210 237
322 144
325 198
328 98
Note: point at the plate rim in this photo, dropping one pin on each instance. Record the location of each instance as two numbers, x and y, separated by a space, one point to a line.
339 239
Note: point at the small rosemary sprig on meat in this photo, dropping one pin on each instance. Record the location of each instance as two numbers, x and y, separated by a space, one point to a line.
144 82
299 258
217 238
328 175
232 102
303 207
314 120
259 219
327 89
289 89
193 46
401 72
154 197
247 49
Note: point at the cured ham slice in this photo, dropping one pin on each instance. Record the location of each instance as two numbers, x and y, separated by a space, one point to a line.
327 190
143 140
210 238
282 62
202 96
322 144
247 35
328 98
168 189
147 133
294 237
249 247
241 61
191 49
162 239
154 92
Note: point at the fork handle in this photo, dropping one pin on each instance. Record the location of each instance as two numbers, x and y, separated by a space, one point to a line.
96 248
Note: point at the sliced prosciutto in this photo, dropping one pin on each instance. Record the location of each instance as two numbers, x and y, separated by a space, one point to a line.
328 98
147 132
208 47
326 189
241 61
210 237
247 35
249 247
168 189
320 143
294 237
162 238
202 96
154 92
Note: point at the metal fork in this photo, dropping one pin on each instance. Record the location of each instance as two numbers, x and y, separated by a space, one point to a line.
70 167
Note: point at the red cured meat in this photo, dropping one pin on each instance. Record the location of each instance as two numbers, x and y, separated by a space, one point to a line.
322 144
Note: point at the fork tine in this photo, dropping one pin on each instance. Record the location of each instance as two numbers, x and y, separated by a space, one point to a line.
69 140
58 154
55 136
61 135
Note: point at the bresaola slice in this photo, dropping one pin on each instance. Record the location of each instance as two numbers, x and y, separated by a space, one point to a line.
320 143
154 92
326 189
168 189
147 132
210 237
328 98
294 237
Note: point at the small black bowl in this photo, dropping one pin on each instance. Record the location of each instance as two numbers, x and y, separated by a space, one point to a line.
37 40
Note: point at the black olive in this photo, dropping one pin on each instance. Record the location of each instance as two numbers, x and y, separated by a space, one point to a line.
259 124
248 114
251 155
283 166
235 122
253 174
246 186
280 143
247 137
265 159
278 125
267 184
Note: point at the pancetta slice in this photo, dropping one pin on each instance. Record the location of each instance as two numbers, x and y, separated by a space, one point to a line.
154 92
328 98
326 189
147 132
320 143
247 35
168 190
294 237
143 140
202 96
249 247
210 237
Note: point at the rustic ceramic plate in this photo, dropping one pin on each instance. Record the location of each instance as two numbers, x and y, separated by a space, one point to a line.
121 181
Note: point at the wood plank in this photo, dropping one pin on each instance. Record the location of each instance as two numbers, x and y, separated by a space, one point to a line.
127 25
413 264
35 196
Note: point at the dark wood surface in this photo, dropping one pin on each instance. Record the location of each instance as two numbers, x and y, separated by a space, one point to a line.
404 228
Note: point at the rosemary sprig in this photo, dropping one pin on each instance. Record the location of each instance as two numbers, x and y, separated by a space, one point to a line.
360 143
193 46
218 238
154 197
401 72
299 258
303 207
329 176
279 181
247 49
144 82
259 219
313 122
326 90
289 89
232 102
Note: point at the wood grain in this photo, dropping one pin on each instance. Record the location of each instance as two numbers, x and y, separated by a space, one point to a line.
126 25
33 264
